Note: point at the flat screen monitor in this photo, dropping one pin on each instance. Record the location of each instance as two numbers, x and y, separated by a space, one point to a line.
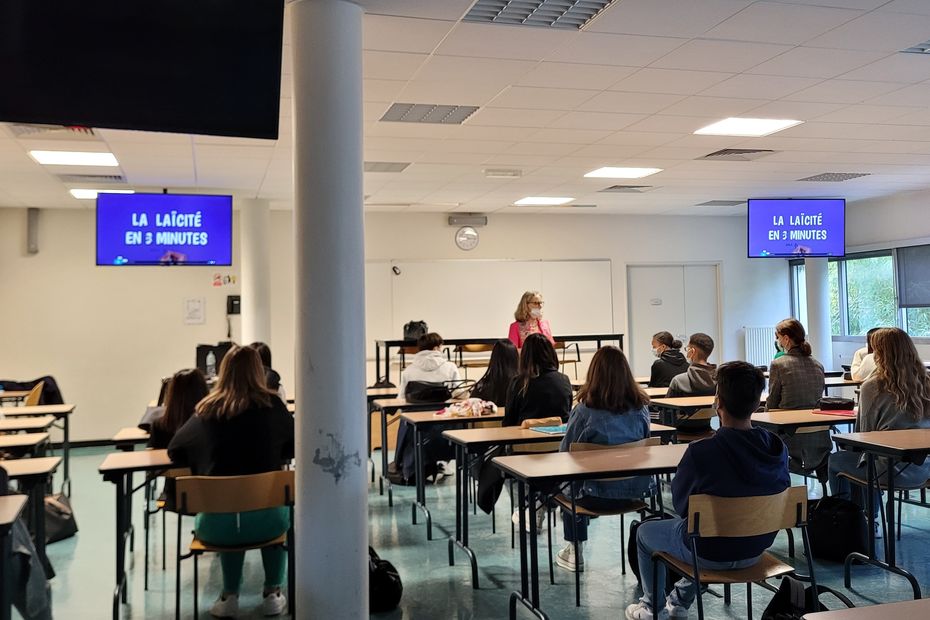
164 229
797 227
183 66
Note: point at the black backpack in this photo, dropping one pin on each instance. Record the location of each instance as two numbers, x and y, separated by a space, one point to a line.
632 557
384 586
415 329
427 392
836 527
793 600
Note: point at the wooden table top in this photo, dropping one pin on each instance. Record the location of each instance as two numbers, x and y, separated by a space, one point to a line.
36 410
130 434
291 407
567 466
24 468
400 403
689 402
889 443
506 435
144 460
22 440
906 609
13 394
642 380
655 392
841 382
430 417
387 392
798 418
11 506
38 423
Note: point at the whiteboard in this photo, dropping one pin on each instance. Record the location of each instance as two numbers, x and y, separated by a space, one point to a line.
477 298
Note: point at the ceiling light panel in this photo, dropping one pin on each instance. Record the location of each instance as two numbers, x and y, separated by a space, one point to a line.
834 177
429 113
562 14
612 172
91 194
74 158
543 201
747 127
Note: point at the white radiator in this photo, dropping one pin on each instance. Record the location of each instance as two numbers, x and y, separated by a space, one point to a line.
760 345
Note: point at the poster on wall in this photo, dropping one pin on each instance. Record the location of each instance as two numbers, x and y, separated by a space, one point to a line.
195 311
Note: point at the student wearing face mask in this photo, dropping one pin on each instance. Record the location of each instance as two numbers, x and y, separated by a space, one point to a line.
529 319
670 363
699 379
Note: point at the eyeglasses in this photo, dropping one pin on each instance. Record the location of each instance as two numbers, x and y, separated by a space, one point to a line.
537 303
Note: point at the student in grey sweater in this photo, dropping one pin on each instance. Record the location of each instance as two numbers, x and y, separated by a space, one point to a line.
896 397
699 379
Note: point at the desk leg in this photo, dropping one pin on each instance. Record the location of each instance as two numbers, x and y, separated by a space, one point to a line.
35 489
387 364
462 484
120 484
368 430
377 363
420 468
523 597
384 459
66 449
6 584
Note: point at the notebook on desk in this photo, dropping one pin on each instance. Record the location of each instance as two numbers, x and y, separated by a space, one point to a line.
550 430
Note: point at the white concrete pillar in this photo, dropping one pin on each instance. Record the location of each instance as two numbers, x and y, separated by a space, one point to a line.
255 246
332 486
819 331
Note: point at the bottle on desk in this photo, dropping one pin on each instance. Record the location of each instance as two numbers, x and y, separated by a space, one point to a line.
211 364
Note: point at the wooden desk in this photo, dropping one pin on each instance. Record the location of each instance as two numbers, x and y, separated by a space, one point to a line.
643 380
472 441
24 443
127 438
655 392
13 395
535 471
34 476
908 609
11 506
60 412
36 425
671 408
381 392
787 422
118 468
839 382
907 446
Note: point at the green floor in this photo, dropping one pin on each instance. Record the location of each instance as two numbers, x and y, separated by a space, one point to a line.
432 589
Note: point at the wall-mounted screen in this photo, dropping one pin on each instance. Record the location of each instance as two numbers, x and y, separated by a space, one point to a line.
797 227
164 229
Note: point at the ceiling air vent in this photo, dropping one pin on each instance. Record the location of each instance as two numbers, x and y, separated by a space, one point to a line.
920 48
33 131
627 189
721 203
503 173
386 166
564 14
834 177
92 178
428 113
737 154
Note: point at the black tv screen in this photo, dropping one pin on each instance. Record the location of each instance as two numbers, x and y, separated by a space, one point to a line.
183 66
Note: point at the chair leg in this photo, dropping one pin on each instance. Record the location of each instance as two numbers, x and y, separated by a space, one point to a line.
575 545
790 542
749 600
900 505
196 588
549 543
177 576
622 544
164 541
726 594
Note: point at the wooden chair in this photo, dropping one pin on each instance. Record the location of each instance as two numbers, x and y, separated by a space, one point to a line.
35 395
564 348
737 517
567 502
219 494
461 349
160 506
686 435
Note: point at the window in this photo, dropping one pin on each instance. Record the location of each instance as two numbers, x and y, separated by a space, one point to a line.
835 310
870 294
917 322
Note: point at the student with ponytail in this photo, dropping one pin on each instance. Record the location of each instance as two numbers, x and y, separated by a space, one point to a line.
796 379
670 363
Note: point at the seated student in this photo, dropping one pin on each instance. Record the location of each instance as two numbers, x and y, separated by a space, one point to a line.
272 378
612 410
670 363
502 368
185 389
896 397
240 428
539 390
430 365
698 380
739 461
863 362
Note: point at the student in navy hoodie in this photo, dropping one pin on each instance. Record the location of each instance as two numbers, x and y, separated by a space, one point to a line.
738 461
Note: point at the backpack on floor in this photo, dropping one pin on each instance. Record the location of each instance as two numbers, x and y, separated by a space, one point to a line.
384 585
836 527
793 600
632 557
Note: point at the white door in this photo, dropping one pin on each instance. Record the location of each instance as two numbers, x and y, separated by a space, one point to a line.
681 299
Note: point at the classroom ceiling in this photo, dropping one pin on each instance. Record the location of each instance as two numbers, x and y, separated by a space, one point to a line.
629 89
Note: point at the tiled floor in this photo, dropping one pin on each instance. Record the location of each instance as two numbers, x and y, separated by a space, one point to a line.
432 589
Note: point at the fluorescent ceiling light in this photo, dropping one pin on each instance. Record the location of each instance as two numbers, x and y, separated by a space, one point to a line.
751 127
542 201
91 194
610 172
74 158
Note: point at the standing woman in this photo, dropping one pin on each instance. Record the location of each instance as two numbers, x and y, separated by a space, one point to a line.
895 397
502 368
240 428
539 390
529 319
670 363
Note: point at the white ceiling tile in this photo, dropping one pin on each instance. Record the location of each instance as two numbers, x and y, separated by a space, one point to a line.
639 138
888 32
453 92
865 5
629 103
670 81
799 110
596 120
474 70
676 124
916 95
574 75
497 41
719 107
729 56
894 68
866 114
843 91
469 131
390 65
382 90
816 62
759 86
919 7
541 98
541 148
523 159
673 18
772 22
398 34
569 136
915 117
515 117
613 49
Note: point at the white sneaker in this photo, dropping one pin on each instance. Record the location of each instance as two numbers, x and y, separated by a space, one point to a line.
567 559
878 530
540 519
274 604
676 612
640 611
226 607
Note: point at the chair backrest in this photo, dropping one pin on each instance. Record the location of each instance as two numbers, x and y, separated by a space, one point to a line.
707 413
737 517
474 348
234 493
558 344
34 395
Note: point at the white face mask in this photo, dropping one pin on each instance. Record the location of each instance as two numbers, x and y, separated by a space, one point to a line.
656 352
536 313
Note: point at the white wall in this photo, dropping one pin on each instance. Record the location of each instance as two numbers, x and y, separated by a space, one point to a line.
109 334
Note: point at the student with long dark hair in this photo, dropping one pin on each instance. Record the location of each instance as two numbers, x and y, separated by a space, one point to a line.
241 428
670 361
502 368
612 410
539 390
185 389
272 378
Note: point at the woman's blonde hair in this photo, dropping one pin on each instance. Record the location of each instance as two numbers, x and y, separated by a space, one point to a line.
900 371
240 386
523 308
